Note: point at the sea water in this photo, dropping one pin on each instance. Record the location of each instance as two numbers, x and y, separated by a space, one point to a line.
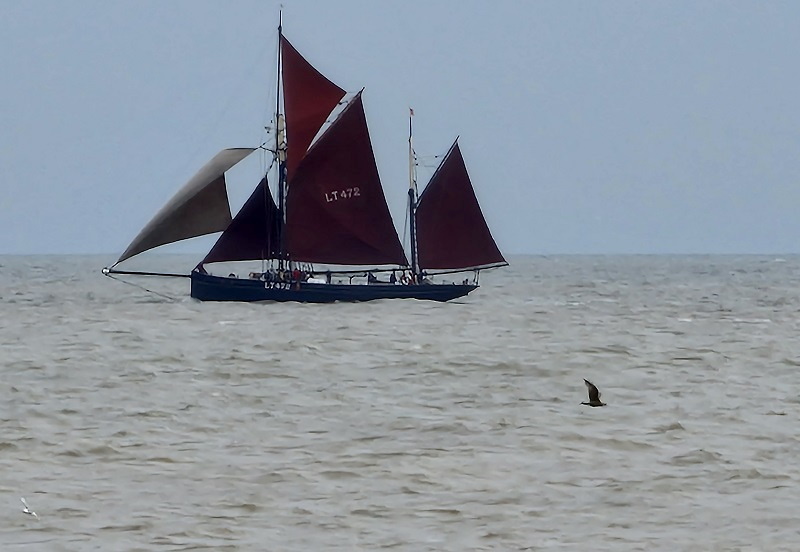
138 422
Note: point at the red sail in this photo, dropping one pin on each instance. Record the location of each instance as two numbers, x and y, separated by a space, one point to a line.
451 230
308 99
253 234
336 210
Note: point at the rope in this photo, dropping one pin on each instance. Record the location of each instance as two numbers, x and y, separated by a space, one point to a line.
142 288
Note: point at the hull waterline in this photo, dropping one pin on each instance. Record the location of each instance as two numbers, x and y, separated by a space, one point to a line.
207 287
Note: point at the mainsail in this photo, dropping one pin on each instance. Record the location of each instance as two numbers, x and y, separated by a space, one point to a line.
253 234
309 98
336 211
452 233
200 207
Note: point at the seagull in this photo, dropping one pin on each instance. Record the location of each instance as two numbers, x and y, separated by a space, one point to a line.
27 510
594 395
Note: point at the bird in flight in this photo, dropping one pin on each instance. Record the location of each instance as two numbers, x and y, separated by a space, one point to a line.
594 394
27 510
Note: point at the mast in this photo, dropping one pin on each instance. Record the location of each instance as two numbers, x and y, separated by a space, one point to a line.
280 150
412 193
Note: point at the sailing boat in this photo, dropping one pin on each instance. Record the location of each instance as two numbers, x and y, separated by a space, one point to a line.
330 210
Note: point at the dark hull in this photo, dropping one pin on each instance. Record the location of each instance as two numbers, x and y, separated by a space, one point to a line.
206 287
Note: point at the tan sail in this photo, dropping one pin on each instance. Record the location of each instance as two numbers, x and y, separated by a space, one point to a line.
200 207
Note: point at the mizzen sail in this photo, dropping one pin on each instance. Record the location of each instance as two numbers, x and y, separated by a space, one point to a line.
309 98
200 207
452 233
336 211
253 234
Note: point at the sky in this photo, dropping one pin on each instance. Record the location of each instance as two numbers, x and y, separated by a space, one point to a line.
609 127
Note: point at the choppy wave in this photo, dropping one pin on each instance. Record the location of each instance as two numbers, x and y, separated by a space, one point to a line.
134 422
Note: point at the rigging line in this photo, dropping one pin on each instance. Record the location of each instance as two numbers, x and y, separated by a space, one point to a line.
173 299
269 100
238 84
